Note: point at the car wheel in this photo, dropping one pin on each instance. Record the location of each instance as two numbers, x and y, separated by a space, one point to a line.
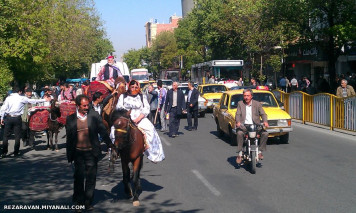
220 132
284 138
233 137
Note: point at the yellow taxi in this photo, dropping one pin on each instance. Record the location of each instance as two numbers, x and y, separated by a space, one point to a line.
212 93
224 112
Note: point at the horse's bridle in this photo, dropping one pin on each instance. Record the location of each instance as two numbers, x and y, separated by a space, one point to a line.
126 131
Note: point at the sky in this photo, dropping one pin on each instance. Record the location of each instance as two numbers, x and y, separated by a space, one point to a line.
124 20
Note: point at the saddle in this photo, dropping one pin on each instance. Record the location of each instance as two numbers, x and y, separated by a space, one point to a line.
66 109
98 86
38 120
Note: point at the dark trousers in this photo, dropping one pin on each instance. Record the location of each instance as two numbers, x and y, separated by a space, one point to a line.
294 88
174 121
240 139
152 115
25 132
12 123
192 113
85 164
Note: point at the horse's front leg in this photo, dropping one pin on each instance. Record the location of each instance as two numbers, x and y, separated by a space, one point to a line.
126 177
137 165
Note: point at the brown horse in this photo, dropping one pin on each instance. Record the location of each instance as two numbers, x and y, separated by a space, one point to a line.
53 125
129 142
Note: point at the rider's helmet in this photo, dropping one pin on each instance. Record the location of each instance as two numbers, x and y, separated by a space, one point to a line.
252 130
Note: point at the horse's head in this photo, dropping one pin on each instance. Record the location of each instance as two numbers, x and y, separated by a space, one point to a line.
54 110
122 123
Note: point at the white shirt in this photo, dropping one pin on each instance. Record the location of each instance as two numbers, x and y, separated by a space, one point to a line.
248 119
47 103
15 103
189 95
97 108
81 117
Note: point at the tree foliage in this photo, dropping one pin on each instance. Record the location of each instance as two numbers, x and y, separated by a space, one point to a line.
42 40
258 31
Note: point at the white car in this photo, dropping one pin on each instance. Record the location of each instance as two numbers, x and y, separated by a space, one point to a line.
228 83
167 84
202 102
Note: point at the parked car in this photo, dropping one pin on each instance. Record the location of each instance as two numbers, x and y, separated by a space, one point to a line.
224 112
212 93
202 102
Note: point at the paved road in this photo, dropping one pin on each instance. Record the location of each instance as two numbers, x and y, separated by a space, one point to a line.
315 172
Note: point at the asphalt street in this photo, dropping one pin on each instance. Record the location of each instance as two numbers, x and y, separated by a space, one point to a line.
315 172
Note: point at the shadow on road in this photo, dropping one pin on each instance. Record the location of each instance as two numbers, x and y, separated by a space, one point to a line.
245 166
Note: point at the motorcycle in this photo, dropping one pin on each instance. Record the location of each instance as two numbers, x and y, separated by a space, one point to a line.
250 147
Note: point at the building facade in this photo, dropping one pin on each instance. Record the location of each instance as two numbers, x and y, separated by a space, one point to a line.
153 28
187 6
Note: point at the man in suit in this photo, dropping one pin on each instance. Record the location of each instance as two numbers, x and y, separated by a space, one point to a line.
192 106
174 106
97 103
83 147
249 112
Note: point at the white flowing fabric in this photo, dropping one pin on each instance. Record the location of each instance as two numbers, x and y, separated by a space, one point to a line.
155 152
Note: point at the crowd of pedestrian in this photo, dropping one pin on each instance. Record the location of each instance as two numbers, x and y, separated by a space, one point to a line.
321 85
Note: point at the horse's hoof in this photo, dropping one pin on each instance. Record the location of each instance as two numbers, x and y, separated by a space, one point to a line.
56 150
136 203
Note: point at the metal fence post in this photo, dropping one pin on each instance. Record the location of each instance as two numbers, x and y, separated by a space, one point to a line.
331 113
303 109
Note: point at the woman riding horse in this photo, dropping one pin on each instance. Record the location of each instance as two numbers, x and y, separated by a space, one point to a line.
137 103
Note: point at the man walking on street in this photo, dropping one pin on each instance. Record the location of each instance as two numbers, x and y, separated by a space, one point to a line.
97 103
152 98
192 106
10 113
175 103
283 84
294 84
26 133
161 101
83 147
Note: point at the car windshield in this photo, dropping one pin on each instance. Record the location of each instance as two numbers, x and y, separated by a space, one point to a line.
139 77
185 90
265 99
214 89
167 83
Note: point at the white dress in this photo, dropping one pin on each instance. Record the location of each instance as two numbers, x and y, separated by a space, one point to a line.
155 152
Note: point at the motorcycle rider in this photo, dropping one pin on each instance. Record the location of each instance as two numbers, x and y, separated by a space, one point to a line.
249 111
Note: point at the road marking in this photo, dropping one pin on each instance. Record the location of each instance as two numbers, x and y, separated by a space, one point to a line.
165 141
206 183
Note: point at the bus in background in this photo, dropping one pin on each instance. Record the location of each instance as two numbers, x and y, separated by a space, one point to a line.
96 67
227 69
170 74
140 74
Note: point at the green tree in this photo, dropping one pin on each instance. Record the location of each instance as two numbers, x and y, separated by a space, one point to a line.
165 51
42 40
331 23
